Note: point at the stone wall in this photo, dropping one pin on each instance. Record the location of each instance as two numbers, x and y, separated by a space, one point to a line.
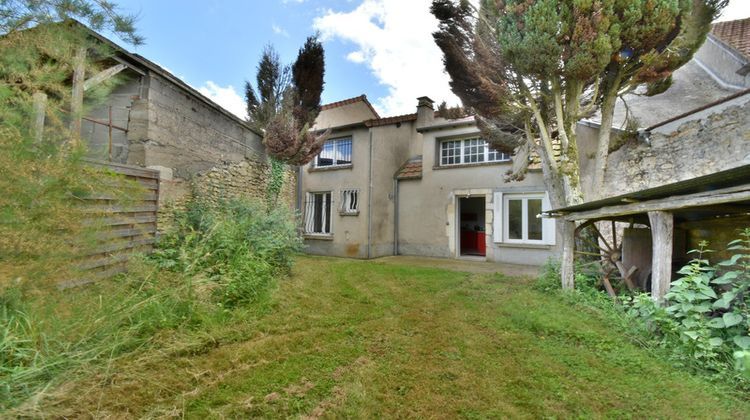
714 143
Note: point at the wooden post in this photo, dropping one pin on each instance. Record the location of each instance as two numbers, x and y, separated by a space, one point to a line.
76 101
567 237
40 111
662 229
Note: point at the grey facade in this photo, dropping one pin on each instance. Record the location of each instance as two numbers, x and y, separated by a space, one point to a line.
431 210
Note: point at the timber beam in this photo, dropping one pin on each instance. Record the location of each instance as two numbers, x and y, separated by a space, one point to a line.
673 203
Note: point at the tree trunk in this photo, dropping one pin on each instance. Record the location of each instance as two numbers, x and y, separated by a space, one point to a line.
567 240
605 133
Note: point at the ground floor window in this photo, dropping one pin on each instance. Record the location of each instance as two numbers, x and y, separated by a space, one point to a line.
519 221
350 202
318 213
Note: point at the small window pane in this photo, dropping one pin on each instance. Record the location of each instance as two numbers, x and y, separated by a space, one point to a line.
473 151
327 155
535 224
343 151
450 152
515 219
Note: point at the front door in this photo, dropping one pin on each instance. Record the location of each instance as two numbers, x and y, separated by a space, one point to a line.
472 226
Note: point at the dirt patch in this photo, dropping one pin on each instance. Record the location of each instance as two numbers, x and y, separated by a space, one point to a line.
299 390
467 266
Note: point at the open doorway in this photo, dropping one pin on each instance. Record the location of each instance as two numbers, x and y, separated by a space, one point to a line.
472 226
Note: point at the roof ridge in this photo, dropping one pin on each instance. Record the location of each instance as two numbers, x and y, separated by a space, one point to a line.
349 101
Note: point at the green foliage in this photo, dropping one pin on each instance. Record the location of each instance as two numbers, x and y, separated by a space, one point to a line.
285 106
98 14
234 250
275 182
45 335
706 320
42 175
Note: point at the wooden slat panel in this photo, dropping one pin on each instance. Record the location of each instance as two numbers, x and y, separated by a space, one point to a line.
110 209
122 245
149 196
121 220
127 227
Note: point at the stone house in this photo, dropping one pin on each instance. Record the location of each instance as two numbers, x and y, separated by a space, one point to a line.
153 119
418 184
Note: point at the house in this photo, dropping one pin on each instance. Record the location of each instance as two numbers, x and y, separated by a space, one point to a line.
418 184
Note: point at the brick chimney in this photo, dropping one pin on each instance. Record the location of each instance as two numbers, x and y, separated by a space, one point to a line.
425 111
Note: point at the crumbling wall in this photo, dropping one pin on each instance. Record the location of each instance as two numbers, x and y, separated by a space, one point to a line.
717 142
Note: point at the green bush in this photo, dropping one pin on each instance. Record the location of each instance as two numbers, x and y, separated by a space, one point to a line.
705 322
236 248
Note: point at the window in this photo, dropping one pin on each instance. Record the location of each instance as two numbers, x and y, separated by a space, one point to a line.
336 152
518 221
318 213
473 150
350 202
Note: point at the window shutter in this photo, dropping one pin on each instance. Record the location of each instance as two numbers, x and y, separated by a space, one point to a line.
497 217
548 224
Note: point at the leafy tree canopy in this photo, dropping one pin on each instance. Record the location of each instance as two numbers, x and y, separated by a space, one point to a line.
286 101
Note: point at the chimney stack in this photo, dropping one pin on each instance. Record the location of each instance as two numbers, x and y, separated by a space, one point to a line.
425 111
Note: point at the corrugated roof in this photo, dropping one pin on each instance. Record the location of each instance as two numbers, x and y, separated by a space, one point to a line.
735 33
412 169
724 179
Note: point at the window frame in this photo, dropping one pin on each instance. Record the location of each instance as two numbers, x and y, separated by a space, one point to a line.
349 196
310 214
524 219
336 144
462 156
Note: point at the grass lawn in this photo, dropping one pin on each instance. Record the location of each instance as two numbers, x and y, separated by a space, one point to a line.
347 338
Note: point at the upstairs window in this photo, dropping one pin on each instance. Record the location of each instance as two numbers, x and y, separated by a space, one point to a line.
336 152
318 213
473 150
350 202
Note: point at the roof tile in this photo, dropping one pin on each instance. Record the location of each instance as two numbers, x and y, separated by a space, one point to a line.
735 33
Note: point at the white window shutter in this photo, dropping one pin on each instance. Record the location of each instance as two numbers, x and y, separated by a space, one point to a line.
548 224
497 217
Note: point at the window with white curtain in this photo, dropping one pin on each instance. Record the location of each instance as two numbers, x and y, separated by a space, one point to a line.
318 213
471 150
336 152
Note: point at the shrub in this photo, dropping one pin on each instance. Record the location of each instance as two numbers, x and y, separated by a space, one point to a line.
705 322
236 248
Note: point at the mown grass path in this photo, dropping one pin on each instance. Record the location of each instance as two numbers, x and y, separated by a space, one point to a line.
366 339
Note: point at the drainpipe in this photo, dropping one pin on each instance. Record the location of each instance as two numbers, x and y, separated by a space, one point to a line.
395 216
299 189
369 201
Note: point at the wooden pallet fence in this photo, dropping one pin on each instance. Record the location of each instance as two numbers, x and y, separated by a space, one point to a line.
125 223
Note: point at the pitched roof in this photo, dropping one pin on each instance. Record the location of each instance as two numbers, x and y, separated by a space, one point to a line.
735 33
412 169
151 66
377 122
360 98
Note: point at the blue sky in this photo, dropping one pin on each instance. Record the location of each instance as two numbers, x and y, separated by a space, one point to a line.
382 48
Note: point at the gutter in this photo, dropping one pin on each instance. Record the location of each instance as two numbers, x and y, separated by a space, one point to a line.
369 201
395 215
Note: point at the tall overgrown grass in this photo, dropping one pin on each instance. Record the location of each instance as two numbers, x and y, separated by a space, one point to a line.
214 262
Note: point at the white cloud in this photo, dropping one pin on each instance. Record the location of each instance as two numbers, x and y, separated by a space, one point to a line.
278 30
227 97
394 39
736 9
